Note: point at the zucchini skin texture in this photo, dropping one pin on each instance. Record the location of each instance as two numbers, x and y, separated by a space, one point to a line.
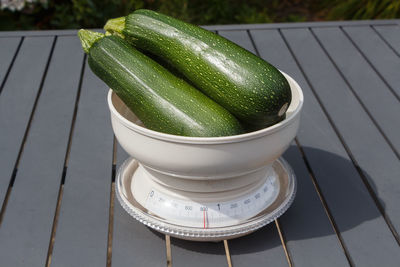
246 85
159 99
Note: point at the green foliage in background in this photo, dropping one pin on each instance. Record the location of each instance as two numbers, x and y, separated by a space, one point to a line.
363 9
93 14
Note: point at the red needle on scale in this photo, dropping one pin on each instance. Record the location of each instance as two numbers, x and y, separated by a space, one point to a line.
204 218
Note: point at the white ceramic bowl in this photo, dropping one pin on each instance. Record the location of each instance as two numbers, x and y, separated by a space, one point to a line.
205 157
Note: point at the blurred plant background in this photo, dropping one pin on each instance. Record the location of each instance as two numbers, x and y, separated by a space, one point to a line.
61 14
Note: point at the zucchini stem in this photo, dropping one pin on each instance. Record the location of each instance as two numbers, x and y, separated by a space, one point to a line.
116 25
88 38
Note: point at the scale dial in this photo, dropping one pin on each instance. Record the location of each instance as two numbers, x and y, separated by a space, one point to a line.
213 214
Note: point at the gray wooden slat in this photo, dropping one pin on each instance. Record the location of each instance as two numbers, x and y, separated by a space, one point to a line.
385 61
299 220
8 49
26 229
82 231
17 100
369 88
133 243
240 38
261 248
197 253
390 34
366 236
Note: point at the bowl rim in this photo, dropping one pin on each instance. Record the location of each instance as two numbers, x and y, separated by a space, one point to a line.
211 140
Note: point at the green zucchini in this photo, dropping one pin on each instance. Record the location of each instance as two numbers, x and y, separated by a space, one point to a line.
159 99
246 85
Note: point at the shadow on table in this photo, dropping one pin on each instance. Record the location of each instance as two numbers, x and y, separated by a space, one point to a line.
340 184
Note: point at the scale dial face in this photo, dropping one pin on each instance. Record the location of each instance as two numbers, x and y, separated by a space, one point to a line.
213 214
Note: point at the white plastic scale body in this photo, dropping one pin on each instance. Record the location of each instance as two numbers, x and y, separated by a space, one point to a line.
206 210
209 188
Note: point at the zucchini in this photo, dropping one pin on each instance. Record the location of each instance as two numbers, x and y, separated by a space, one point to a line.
159 99
246 85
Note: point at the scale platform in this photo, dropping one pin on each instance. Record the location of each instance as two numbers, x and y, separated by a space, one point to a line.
225 213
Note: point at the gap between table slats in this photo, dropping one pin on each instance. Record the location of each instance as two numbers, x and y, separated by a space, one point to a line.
168 250
111 219
283 241
11 64
373 27
112 203
55 220
227 253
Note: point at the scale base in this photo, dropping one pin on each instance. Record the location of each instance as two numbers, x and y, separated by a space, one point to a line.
284 198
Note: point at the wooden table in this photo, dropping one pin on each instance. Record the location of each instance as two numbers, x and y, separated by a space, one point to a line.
58 156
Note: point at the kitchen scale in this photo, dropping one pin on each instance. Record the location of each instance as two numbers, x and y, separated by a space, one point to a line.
205 188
